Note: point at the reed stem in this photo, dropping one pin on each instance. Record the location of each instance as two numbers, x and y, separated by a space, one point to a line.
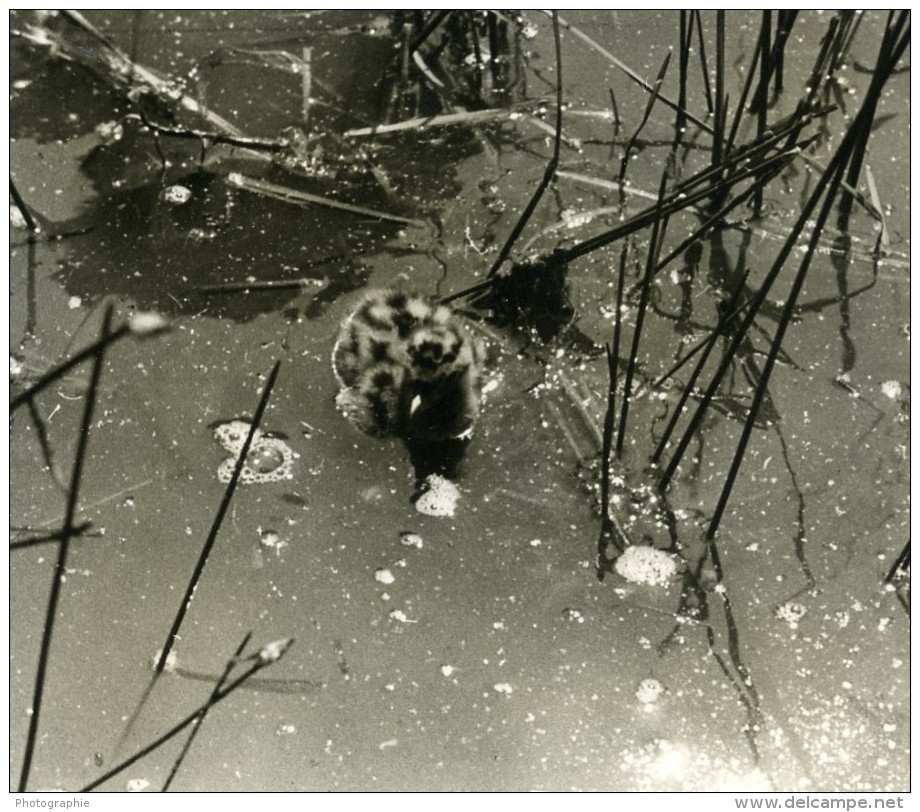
218 520
550 171
216 696
67 532
231 663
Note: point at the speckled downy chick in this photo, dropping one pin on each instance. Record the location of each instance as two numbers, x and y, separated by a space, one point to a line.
408 367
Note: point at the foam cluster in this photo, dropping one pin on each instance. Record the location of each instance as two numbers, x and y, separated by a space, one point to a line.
440 497
270 459
646 565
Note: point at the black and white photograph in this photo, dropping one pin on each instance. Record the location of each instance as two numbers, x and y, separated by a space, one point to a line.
460 401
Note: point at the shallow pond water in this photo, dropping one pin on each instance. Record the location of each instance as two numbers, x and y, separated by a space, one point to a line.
479 650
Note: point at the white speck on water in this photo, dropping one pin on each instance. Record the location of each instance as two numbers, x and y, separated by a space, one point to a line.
891 389
177 195
791 612
400 615
286 729
649 691
137 785
503 688
573 615
172 660
74 302
388 743
16 218
411 540
271 540
447 670
146 323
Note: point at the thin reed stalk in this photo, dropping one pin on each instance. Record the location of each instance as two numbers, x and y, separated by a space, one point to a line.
785 19
659 227
217 696
231 664
707 346
23 209
428 29
900 564
754 307
718 135
45 538
653 97
849 152
762 97
895 50
614 112
67 532
202 559
218 520
701 42
628 71
760 391
54 375
550 167
681 197
685 34
608 533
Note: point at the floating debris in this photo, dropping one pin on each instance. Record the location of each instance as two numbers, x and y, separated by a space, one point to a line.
17 220
503 688
286 729
440 497
274 651
447 670
791 612
411 540
172 661
384 576
649 691
74 302
573 615
146 323
137 785
892 389
109 132
270 459
400 615
646 565
271 540
177 195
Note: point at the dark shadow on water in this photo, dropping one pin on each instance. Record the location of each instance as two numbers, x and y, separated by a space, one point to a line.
161 254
